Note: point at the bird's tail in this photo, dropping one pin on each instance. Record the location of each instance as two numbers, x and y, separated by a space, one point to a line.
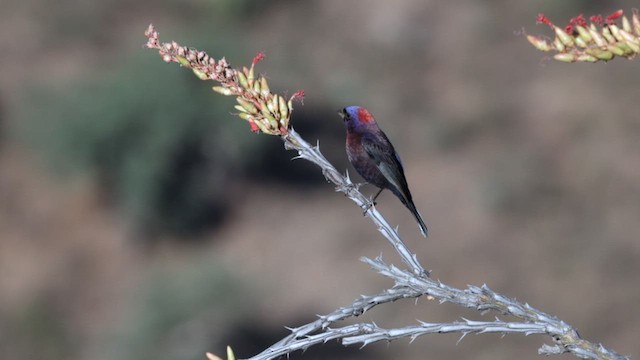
408 202
416 214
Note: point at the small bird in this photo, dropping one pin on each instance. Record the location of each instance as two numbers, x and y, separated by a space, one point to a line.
372 155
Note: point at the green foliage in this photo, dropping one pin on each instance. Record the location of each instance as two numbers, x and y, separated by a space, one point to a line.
159 142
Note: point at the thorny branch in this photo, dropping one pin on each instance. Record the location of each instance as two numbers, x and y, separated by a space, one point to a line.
368 333
418 283
358 308
270 113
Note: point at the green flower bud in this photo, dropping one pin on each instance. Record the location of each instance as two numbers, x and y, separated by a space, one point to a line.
183 60
586 58
600 54
565 57
247 105
584 34
284 109
539 43
264 86
608 36
558 45
200 74
597 37
626 25
242 79
222 90
563 36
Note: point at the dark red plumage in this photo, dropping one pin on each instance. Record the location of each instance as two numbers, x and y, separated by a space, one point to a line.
374 158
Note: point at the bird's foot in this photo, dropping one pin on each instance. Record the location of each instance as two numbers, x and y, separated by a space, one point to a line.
368 206
349 188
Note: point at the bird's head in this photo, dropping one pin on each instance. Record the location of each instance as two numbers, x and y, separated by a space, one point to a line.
355 116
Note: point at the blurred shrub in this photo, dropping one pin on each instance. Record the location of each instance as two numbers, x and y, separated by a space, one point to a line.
90 23
182 312
160 143
241 8
35 331
2 121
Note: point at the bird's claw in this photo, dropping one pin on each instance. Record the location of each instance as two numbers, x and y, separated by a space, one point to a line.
349 187
368 206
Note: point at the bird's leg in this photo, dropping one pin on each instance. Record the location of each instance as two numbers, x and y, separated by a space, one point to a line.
371 203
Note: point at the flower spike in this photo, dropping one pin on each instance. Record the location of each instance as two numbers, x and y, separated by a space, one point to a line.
264 110
601 40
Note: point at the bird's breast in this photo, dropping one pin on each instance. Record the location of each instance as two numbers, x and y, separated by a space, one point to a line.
354 146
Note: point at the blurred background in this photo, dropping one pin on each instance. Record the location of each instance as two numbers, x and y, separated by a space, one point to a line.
139 219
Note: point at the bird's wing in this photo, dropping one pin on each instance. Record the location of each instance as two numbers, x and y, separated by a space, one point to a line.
386 160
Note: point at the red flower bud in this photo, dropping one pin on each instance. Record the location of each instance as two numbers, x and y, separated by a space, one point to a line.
614 16
298 94
254 127
596 19
542 19
259 56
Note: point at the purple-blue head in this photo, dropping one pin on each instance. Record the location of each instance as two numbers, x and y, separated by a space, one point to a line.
356 116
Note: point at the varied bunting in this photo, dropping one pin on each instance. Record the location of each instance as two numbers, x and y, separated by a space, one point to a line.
372 155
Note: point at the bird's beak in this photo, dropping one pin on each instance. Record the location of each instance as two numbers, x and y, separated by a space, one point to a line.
341 113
